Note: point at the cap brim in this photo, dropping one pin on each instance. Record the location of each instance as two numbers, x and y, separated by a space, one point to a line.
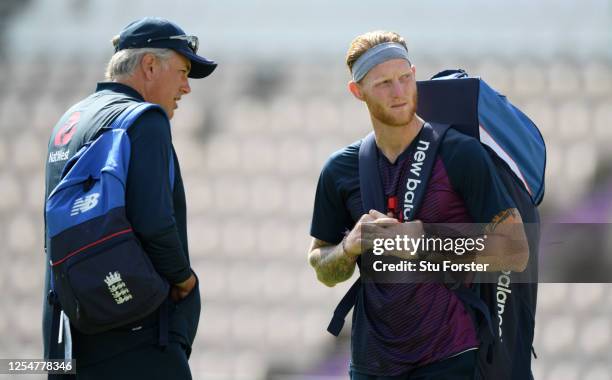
200 66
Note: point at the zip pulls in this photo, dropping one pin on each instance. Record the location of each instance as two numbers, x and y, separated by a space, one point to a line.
392 209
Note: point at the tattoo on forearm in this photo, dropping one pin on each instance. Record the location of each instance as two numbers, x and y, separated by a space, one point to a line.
499 218
333 265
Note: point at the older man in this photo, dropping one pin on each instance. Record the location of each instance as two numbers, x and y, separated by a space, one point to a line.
407 330
153 61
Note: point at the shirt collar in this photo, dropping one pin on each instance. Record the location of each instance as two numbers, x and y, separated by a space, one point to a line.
119 87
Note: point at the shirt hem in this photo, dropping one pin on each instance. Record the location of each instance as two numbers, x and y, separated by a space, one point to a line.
369 371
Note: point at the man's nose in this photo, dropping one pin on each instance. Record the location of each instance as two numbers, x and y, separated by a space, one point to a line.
185 88
397 88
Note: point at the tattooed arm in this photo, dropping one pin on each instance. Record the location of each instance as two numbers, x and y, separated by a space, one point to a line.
505 246
505 243
331 262
336 263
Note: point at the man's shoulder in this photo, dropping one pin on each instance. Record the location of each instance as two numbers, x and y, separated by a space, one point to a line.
348 154
154 115
102 107
115 98
456 138
343 161
457 147
152 122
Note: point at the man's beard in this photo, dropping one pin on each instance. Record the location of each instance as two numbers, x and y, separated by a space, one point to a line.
379 112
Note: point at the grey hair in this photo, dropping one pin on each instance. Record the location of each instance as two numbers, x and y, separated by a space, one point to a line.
124 62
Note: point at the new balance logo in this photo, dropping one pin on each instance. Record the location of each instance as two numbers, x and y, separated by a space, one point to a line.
84 204
503 292
412 183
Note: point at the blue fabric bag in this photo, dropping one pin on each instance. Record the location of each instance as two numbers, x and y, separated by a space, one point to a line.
102 277
473 107
505 307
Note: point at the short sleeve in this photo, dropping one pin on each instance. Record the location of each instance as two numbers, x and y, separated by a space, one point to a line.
328 219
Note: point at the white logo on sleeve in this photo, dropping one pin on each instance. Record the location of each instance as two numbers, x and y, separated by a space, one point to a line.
84 204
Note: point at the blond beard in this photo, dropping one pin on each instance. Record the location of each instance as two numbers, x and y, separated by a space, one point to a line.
378 112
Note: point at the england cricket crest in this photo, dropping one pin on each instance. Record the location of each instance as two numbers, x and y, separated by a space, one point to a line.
117 288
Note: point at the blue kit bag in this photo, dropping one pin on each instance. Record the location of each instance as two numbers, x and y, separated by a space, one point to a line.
470 105
505 307
102 277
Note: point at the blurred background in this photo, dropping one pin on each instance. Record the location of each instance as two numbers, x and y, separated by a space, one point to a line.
252 138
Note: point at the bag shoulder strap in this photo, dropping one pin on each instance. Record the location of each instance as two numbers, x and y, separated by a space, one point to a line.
370 183
372 195
129 116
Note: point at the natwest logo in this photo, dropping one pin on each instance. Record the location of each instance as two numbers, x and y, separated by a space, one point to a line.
65 133
58 155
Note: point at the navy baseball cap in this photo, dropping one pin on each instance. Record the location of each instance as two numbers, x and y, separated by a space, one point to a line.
156 32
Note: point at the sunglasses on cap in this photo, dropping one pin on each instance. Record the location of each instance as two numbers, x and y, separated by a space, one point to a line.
192 41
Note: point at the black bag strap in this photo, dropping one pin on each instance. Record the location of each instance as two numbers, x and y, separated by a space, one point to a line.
372 196
370 183
344 306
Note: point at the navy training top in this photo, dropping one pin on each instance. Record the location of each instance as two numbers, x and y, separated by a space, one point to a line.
399 327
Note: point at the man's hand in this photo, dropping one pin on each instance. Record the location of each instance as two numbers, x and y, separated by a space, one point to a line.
392 228
181 290
355 243
335 263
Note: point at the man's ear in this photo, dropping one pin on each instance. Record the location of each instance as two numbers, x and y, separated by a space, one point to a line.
355 90
148 64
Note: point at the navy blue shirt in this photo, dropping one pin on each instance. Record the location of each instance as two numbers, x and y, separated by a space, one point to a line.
398 327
